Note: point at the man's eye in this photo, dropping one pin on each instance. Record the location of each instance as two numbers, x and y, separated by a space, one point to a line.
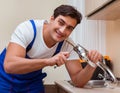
70 28
60 23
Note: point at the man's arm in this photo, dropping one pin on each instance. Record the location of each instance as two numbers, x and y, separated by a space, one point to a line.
80 76
15 61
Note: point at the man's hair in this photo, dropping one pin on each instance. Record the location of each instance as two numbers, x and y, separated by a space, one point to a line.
68 10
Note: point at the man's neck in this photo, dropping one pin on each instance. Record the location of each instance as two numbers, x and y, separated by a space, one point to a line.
46 37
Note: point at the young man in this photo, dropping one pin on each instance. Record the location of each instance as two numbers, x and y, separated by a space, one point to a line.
21 70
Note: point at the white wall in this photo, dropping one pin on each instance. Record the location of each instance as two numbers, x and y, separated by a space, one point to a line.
13 12
89 33
113 45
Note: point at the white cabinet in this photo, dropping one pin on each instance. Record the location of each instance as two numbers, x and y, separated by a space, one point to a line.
93 5
102 9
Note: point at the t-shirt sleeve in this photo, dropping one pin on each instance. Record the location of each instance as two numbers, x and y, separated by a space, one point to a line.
23 34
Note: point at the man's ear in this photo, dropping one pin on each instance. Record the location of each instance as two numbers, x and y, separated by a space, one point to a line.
52 18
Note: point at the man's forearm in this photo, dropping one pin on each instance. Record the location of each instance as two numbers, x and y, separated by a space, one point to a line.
83 76
19 65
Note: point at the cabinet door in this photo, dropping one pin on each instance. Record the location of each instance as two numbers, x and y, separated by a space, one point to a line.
93 5
61 90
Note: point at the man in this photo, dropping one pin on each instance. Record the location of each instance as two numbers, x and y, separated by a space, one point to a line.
21 70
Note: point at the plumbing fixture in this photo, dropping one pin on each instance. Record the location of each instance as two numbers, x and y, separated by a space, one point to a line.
82 53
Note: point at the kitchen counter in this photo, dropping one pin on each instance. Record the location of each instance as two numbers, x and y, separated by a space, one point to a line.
66 87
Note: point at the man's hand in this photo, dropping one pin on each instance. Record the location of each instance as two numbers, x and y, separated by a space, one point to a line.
94 56
59 59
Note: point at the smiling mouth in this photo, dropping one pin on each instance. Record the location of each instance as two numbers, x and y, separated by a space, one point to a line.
59 34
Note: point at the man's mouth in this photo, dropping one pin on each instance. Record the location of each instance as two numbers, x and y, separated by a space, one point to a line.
59 34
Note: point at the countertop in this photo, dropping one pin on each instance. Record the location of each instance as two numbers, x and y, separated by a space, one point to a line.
72 89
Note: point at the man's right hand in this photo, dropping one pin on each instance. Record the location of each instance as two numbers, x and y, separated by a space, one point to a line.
59 59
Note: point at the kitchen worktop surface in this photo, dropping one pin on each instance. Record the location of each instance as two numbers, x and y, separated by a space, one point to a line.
65 85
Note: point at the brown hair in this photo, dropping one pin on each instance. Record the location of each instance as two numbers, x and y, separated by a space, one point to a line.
68 10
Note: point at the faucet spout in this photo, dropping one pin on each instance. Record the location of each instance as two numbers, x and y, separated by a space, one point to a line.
108 75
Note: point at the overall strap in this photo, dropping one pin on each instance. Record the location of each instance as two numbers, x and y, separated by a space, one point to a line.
31 43
58 48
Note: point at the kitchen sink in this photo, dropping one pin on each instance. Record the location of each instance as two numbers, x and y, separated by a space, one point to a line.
97 84
93 83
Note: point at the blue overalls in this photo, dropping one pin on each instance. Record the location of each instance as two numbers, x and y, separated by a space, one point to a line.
23 83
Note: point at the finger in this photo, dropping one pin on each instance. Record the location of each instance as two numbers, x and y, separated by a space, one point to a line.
90 54
66 54
93 55
62 59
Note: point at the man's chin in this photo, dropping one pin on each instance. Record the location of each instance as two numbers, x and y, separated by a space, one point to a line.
59 40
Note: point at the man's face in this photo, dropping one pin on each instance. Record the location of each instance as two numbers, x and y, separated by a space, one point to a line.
61 27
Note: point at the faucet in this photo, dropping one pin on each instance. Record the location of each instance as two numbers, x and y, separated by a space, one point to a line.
82 53
109 78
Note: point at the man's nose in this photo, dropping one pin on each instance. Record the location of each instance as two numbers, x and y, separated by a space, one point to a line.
62 29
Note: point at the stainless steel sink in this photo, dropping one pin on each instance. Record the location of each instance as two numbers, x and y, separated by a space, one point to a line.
96 84
93 83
